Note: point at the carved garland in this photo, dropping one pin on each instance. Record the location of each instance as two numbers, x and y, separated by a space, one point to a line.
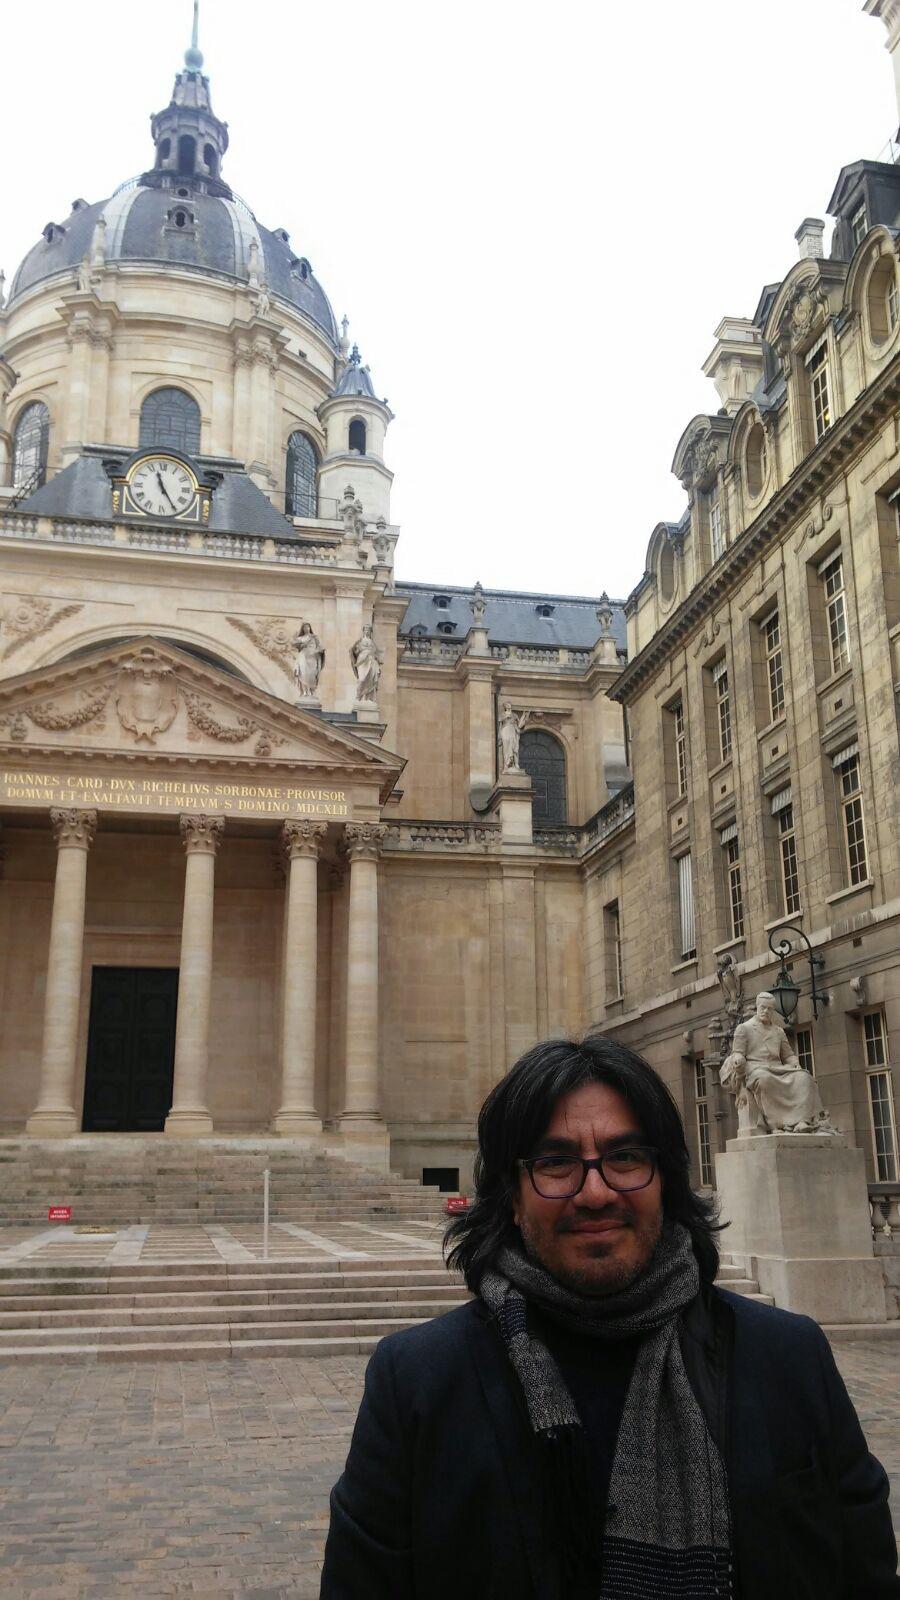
53 721
200 714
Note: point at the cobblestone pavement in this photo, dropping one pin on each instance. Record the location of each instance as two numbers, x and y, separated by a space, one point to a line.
212 1478
150 1243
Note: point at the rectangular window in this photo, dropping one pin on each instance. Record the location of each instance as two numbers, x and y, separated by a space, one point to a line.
704 1124
881 1097
686 907
734 892
817 368
723 708
680 743
716 528
832 575
771 635
803 1045
849 788
613 931
893 303
787 859
859 226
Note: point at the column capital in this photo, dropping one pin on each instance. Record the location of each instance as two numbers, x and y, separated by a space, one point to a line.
200 834
73 829
302 837
363 840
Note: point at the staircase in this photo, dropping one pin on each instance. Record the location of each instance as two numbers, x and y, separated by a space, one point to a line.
733 1275
181 1311
119 1181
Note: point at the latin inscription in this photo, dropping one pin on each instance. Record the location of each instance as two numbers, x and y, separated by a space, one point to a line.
161 794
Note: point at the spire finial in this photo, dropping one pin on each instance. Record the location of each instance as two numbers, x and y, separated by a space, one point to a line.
193 58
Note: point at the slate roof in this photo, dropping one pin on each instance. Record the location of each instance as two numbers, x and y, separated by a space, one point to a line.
218 241
355 378
83 489
510 617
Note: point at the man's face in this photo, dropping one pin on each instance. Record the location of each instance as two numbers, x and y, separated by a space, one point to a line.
600 1240
764 1011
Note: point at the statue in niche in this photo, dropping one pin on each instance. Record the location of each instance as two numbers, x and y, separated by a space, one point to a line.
263 303
511 725
308 661
84 275
773 1093
366 659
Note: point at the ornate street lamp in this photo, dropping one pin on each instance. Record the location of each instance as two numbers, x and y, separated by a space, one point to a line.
785 990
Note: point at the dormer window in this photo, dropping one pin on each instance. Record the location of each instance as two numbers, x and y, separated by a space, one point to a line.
418 631
442 601
716 528
446 627
859 225
52 232
544 609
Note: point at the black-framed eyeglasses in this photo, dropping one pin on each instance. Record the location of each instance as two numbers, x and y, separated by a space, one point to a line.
557 1176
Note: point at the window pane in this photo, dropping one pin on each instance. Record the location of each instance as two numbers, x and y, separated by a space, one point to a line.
686 906
30 447
170 419
790 872
883 1128
300 490
543 758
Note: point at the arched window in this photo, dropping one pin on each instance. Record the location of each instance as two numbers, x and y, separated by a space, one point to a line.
544 759
170 417
187 153
358 435
883 300
756 459
300 487
164 152
32 436
211 159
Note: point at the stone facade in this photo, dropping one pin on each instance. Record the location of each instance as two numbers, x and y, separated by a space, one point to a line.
370 917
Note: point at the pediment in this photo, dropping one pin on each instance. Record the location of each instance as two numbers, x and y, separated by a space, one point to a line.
149 700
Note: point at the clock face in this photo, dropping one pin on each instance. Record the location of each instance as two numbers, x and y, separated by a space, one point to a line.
162 487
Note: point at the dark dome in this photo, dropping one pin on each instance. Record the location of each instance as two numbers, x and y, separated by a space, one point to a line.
204 232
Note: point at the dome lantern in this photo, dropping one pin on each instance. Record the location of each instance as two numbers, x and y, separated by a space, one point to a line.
189 139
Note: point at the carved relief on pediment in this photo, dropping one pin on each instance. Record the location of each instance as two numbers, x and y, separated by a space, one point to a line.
701 462
804 311
146 697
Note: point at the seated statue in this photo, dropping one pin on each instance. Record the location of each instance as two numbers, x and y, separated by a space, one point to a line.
771 1089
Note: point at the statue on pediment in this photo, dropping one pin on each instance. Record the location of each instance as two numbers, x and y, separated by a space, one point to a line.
309 659
366 659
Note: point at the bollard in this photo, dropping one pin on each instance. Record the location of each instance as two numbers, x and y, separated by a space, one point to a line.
266 1215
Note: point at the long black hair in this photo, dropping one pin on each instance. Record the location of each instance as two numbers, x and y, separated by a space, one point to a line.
515 1115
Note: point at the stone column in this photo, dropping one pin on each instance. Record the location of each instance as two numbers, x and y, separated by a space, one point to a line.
362 1099
189 1117
297 1113
55 1116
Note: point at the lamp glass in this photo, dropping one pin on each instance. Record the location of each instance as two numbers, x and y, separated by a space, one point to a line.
786 993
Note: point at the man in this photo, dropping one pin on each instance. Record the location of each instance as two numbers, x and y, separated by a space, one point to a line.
600 1422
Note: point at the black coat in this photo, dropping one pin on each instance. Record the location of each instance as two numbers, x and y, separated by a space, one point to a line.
440 1498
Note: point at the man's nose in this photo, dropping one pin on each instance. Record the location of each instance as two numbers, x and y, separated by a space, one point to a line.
596 1191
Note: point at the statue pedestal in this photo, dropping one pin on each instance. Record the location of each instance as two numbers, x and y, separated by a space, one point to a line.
511 797
798 1204
366 711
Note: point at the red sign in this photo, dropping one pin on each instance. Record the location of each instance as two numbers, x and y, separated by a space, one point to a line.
457 1202
59 1214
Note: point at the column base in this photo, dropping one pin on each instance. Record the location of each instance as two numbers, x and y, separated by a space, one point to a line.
188 1124
359 1122
52 1124
296 1124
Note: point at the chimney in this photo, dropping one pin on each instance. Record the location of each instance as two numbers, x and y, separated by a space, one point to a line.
889 12
810 236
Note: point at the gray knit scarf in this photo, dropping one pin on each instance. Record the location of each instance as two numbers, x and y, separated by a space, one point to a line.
667 1529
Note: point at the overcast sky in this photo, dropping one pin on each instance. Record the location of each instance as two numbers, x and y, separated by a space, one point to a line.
534 216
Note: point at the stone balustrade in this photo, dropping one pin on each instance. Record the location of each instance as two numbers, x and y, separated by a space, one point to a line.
884 1208
181 541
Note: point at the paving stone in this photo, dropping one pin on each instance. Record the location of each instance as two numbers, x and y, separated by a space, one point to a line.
171 1494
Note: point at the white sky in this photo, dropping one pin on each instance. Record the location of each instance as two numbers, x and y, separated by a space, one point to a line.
534 215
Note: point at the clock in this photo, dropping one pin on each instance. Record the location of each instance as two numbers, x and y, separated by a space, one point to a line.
162 486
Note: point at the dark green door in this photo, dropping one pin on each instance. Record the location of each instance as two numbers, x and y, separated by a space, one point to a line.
131 1049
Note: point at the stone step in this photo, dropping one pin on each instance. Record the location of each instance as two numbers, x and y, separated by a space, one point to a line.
202 1350
218 1308
242 1322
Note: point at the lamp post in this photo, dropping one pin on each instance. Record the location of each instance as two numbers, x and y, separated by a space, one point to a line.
785 990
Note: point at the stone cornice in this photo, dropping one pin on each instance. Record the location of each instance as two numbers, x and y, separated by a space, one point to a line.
815 472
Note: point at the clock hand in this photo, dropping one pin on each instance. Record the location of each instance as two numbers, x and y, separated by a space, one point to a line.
165 490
